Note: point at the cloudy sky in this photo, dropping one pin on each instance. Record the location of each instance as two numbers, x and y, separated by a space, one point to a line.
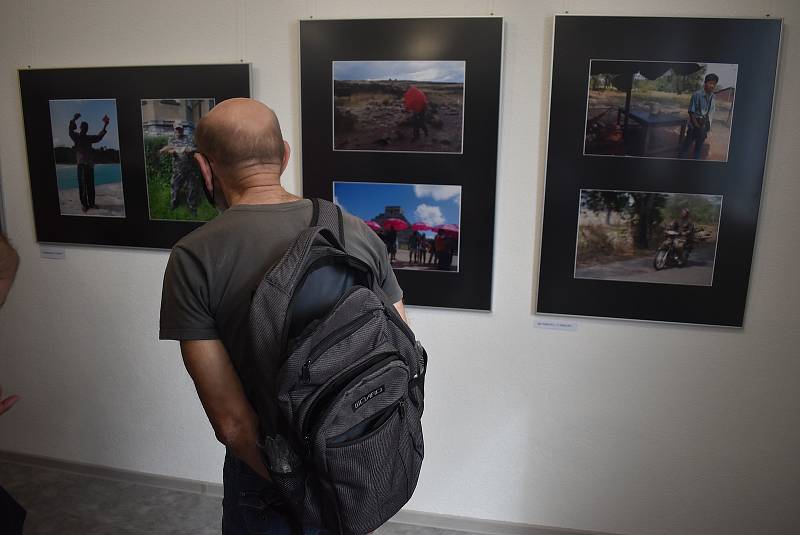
92 111
431 204
418 71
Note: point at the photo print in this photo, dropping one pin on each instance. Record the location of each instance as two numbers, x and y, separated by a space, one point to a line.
638 236
174 182
398 106
660 109
87 157
419 223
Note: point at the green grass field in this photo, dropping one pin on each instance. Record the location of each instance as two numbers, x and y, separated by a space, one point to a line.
159 173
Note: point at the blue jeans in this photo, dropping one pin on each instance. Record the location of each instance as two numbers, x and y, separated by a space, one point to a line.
243 509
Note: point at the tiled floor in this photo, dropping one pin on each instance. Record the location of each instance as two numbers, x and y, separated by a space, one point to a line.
70 504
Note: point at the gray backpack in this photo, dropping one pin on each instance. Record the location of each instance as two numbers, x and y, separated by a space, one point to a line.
344 381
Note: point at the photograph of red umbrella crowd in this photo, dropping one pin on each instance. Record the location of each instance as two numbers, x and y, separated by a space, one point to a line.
419 223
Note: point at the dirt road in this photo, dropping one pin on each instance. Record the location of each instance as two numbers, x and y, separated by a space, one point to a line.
699 271
108 197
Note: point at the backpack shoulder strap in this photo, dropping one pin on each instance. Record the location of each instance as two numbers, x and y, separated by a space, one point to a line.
328 215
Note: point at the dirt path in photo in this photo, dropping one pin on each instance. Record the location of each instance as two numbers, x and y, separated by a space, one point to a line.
402 262
109 199
698 271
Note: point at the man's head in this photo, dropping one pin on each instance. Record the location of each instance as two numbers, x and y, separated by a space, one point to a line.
710 82
684 213
84 127
239 141
178 127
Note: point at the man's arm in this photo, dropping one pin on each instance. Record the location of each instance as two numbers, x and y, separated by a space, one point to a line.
234 421
401 309
693 110
9 261
101 134
73 135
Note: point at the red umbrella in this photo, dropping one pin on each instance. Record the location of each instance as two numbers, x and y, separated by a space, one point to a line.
420 226
415 100
393 223
447 228
373 225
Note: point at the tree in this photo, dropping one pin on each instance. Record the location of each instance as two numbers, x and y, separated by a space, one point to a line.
643 210
608 201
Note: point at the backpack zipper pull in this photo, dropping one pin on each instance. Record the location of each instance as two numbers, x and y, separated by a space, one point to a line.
305 373
402 409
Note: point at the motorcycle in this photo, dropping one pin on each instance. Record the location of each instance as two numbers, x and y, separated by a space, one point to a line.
667 253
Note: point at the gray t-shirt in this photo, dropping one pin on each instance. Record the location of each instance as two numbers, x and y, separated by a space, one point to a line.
213 272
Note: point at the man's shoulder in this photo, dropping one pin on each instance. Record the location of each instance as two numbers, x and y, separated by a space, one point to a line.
354 228
206 235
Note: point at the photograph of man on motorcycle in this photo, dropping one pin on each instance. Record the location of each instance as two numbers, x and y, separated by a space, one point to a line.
636 236
683 242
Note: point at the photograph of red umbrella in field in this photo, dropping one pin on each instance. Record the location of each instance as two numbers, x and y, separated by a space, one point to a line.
398 106
419 223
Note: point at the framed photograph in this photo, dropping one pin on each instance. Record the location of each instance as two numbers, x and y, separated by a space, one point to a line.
419 223
638 236
88 166
405 137
657 143
660 109
110 150
398 106
174 187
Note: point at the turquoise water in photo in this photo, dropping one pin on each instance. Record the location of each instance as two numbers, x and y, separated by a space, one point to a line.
104 173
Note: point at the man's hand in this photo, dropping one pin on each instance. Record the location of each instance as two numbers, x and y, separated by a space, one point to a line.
106 120
7 403
230 413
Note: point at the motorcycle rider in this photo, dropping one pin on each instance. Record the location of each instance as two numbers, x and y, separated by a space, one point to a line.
684 226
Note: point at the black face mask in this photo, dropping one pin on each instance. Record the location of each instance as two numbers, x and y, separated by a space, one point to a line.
215 198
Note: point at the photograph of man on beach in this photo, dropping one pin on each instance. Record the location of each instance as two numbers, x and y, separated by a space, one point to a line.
87 157
174 183
641 236
659 109
398 106
419 223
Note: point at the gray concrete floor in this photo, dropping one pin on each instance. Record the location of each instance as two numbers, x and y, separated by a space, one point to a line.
65 503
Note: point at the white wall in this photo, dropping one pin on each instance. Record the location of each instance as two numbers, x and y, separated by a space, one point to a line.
620 427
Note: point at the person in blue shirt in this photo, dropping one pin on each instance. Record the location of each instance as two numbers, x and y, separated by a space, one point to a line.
701 112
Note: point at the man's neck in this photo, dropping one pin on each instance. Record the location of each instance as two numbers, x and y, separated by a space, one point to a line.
262 194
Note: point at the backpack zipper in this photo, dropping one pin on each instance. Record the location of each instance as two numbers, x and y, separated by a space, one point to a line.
336 385
349 259
331 340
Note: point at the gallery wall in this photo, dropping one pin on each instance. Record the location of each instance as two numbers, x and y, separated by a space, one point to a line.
619 427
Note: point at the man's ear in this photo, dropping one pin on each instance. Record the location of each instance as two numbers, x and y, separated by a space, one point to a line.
205 170
287 151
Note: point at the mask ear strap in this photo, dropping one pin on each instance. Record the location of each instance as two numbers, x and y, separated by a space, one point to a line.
209 193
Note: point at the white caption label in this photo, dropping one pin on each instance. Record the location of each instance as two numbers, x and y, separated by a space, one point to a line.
559 325
53 253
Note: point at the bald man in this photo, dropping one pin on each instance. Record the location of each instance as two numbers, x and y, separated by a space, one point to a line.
210 278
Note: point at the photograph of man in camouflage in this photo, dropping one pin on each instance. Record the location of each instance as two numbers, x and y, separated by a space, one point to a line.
173 179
